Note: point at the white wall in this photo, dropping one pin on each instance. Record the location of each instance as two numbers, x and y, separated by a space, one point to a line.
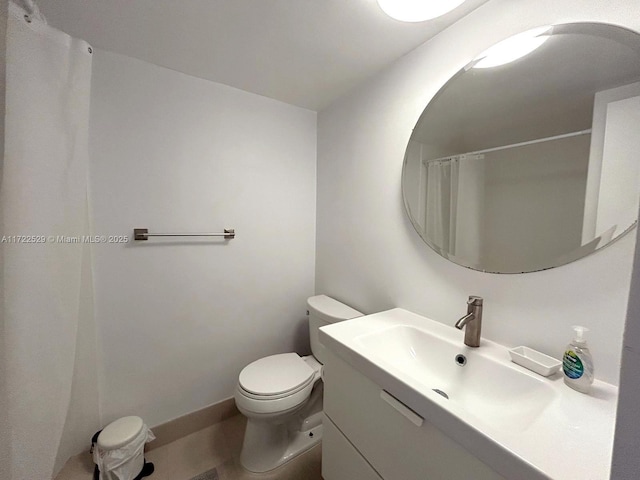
620 174
600 124
535 197
368 254
177 320
626 461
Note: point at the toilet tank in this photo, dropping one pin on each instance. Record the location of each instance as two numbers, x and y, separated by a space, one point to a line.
323 311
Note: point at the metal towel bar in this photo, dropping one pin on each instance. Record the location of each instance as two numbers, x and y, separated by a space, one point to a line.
143 234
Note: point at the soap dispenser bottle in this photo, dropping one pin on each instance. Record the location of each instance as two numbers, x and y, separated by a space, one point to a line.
577 363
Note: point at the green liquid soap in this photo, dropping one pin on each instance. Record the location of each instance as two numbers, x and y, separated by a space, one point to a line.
577 363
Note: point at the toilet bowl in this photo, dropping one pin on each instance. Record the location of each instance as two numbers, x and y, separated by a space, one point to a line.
281 396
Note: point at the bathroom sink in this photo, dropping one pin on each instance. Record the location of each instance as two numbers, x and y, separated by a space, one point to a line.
501 412
494 392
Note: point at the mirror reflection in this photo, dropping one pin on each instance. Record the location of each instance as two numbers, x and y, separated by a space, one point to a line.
529 157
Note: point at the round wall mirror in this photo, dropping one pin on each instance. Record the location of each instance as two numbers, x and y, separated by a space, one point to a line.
529 157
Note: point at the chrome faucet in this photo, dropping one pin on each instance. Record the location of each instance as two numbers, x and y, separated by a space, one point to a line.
472 321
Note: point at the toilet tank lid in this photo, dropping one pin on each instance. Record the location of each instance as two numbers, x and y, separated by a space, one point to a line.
119 433
331 310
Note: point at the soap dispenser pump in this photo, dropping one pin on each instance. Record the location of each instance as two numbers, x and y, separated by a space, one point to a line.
577 363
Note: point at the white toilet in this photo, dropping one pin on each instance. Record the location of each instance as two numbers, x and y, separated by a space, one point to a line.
281 396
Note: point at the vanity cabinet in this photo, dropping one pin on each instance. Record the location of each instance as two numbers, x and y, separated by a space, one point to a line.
344 461
381 438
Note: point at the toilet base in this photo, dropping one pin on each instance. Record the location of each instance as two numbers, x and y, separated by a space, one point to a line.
267 446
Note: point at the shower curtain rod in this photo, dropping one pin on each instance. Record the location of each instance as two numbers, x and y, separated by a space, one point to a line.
504 147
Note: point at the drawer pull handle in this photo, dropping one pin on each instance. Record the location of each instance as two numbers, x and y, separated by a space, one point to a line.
412 416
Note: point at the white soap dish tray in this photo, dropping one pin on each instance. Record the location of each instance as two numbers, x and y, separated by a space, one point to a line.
535 361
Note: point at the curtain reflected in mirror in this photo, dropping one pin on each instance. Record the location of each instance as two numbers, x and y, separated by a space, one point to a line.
533 164
454 204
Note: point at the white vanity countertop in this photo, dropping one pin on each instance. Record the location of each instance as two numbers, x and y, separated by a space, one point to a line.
571 437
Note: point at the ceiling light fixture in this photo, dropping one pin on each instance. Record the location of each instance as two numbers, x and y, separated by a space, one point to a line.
417 10
513 48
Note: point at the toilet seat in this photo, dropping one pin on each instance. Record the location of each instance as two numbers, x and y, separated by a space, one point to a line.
276 384
275 376
276 397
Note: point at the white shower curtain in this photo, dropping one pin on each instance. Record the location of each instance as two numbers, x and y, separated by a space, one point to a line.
455 206
440 211
49 378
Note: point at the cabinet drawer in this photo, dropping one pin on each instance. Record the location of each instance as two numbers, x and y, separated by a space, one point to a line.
340 461
398 443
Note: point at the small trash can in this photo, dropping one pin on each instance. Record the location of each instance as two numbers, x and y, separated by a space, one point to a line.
119 450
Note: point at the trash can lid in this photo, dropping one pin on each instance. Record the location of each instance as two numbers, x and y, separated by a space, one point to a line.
117 434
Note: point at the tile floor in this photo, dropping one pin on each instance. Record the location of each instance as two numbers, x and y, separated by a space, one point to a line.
217 447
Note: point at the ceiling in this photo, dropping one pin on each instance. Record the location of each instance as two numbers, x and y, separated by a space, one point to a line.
303 52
